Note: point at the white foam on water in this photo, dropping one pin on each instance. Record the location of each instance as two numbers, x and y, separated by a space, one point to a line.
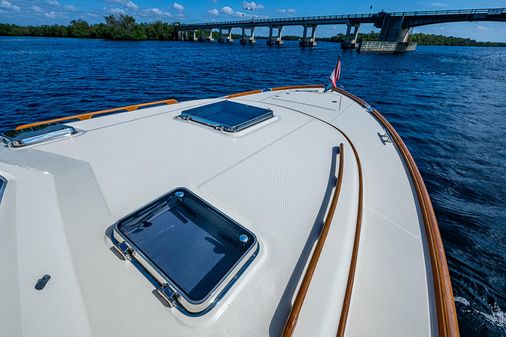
497 317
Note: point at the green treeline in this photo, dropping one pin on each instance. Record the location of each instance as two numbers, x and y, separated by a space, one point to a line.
423 40
119 27
124 27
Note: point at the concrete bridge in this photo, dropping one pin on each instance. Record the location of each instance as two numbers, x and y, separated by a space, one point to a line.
395 27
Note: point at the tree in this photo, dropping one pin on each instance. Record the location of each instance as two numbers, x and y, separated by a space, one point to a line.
123 27
79 28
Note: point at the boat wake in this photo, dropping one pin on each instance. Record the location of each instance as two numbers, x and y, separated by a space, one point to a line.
496 316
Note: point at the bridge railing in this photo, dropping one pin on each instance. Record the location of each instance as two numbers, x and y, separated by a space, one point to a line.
287 19
489 11
253 20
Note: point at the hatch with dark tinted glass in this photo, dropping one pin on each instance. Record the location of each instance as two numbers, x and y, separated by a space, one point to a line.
227 115
189 247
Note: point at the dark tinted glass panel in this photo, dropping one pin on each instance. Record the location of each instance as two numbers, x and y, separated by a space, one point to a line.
188 241
227 115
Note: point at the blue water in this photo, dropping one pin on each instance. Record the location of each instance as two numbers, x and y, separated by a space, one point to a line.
448 104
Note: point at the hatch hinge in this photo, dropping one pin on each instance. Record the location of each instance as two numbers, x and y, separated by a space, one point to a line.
125 251
168 294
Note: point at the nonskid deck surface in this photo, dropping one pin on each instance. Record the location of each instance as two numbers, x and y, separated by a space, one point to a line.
276 179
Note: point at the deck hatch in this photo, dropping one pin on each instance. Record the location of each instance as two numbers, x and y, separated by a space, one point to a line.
192 249
227 115
36 134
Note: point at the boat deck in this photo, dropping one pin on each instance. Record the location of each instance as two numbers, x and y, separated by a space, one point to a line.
276 178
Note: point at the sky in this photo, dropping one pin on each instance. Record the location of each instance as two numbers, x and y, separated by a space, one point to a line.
38 12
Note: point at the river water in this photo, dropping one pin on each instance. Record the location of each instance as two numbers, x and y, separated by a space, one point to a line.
448 104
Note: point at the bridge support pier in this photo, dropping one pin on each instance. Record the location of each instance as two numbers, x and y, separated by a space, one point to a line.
195 36
308 41
275 40
227 37
393 37
210 36
350 40
245 40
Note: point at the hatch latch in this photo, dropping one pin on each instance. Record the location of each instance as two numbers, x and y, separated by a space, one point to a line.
168 294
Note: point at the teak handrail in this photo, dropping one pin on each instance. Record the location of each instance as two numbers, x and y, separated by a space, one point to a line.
90 115
445 303
291 322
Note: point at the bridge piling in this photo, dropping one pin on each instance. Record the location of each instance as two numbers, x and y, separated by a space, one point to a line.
350 40
308 42
244 39
274 40
227 37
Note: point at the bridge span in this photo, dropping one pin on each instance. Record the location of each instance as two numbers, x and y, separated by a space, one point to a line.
394 35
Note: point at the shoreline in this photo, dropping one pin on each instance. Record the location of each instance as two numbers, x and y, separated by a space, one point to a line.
324 39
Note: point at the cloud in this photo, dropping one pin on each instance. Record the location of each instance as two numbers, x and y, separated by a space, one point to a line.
214 12
117 11
70 8
287 10
131 5
37 9
51 14
484 29
92 15
178 6
229 11
156 11
53 3
252 5
7 5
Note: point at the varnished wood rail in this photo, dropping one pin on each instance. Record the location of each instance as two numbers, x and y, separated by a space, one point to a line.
291 322
445 303
90 115
443 292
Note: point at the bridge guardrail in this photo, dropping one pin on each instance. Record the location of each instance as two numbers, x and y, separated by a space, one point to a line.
490 11
299 18
486 11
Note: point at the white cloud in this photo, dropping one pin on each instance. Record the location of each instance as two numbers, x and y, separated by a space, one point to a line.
484 29
117 11
131 5
7 5
156 11
37 9
51 14
252 5
227 10
287 10
178 6
92 15
214 12
70 8
53 3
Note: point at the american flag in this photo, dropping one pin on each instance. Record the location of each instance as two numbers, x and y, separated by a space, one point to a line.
336 73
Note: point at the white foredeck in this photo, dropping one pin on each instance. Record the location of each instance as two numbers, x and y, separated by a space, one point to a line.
276 179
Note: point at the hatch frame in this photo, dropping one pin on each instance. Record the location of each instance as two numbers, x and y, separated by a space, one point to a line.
167 289
192 114
36 134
